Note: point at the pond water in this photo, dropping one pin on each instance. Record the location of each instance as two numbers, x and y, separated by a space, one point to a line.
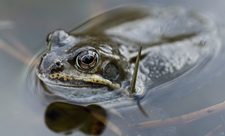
28 23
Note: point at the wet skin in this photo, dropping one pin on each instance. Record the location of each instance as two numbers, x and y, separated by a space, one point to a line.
84 61
98 56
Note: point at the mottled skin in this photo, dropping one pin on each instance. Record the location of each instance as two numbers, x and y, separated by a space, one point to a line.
174 41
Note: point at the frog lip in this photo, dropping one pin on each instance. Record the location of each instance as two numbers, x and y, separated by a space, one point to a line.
88 82
78 85
70 83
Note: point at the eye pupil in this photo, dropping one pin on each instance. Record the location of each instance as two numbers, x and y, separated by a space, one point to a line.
87 59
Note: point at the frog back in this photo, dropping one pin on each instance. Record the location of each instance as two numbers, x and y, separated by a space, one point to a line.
175 40
148 25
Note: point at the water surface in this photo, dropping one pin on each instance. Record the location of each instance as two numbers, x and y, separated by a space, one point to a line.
31 21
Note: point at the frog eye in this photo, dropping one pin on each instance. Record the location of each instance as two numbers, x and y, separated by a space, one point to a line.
87 60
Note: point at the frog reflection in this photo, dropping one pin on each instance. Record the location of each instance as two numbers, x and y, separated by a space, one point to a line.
65 118
94 60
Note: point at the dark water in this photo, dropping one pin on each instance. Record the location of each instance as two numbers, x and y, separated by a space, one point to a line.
30 22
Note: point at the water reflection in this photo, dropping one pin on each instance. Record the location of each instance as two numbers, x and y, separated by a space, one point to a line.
66 118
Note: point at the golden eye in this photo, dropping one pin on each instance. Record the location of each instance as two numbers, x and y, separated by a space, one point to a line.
87 60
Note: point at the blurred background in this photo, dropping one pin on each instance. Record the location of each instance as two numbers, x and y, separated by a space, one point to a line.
27 23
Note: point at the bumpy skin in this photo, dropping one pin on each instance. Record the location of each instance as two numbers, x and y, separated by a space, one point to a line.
174 41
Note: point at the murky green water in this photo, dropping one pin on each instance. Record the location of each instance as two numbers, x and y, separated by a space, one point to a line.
30 21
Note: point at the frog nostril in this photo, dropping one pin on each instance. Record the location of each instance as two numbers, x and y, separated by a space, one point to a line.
57 68
58 64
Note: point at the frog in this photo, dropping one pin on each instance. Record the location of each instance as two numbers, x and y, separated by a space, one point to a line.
95 61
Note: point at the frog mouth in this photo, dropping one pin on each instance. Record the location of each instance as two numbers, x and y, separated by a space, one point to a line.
93 82
89 83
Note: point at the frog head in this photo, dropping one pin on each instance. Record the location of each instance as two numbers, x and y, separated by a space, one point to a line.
83 63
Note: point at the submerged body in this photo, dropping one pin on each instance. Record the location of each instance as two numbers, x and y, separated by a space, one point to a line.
96 59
